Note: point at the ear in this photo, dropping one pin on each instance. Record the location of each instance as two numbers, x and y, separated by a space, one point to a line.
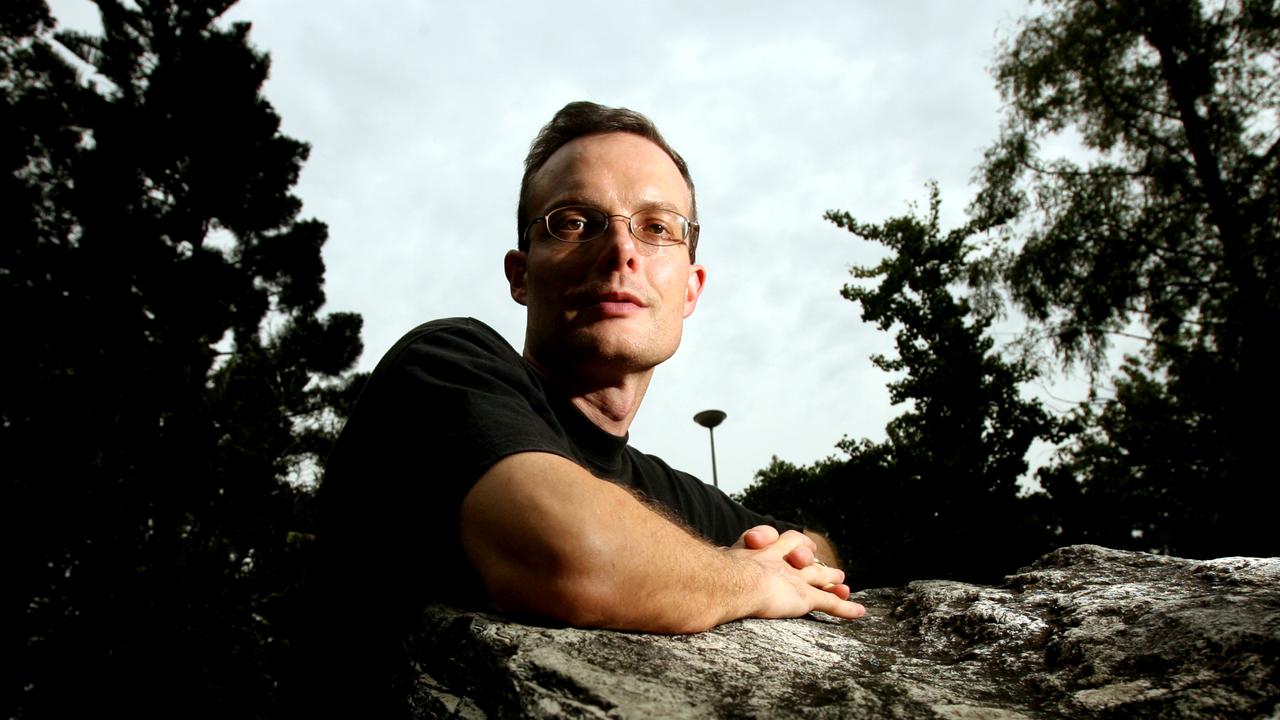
697 281
516 264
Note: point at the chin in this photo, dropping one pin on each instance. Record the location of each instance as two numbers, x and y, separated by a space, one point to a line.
623 352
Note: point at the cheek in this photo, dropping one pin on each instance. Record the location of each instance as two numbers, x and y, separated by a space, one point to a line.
670 281
557 265
545 275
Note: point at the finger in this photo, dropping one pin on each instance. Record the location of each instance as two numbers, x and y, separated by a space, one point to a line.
821 576
839 607
790 540
758 537
800 558
840 590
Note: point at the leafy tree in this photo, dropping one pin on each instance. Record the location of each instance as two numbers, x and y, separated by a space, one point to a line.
167 372
1167 221
939 498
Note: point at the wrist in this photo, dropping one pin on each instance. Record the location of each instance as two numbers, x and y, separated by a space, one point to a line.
744 585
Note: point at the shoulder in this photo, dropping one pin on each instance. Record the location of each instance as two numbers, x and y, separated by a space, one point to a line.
444 359
448 342
447 389
457 332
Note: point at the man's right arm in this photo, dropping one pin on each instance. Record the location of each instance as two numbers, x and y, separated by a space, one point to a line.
550 539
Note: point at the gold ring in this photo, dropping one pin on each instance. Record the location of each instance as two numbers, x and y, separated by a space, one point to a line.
816 561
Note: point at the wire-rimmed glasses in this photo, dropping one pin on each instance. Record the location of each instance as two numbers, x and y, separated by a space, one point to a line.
583 223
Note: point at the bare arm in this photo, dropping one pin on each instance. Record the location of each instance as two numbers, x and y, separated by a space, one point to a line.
549 539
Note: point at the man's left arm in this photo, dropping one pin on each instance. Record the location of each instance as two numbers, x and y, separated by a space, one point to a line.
826 551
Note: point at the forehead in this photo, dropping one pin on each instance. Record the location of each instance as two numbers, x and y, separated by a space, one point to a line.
616 171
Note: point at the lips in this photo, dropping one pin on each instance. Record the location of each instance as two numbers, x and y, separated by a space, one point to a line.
620 297
610 303
590 297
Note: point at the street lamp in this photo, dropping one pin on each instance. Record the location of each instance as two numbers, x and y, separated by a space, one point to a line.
709 419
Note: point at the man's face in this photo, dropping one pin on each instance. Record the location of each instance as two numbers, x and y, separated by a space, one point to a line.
612 305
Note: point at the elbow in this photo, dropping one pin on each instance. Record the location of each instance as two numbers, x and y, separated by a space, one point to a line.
594 595
556 590
580 601
593 604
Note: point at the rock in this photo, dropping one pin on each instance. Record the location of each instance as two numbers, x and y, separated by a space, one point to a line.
1084 632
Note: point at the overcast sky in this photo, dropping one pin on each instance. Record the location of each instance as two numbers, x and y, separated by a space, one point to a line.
419 115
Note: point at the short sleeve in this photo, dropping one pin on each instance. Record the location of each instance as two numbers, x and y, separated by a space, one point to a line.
448 401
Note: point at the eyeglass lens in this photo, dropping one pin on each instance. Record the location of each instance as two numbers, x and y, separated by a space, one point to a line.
583 224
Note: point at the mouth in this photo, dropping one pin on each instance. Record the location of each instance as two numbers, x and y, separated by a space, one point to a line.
612 304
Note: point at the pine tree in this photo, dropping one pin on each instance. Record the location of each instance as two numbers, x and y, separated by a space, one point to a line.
169 370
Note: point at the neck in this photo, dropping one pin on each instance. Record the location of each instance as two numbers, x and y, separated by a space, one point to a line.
609 402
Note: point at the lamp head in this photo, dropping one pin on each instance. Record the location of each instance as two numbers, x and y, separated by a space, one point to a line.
709 418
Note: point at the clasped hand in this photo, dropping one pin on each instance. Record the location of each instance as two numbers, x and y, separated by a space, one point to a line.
793 584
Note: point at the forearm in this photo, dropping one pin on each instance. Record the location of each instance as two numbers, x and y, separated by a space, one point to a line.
549 539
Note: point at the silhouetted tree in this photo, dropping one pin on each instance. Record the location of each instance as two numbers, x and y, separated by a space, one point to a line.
166 371
1168 221
938 498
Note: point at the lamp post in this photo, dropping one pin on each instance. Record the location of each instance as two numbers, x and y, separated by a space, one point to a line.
709 419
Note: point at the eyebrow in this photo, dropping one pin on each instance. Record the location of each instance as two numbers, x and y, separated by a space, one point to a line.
578 200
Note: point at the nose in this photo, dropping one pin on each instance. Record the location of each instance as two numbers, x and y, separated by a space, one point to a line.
611 219
619 248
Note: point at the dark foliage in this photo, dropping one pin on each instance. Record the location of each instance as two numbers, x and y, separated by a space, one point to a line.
165 375
1170 225
939 497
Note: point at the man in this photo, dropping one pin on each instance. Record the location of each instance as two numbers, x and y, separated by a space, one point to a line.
470 473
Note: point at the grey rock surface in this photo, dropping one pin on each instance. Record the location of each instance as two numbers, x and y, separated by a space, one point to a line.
1084 632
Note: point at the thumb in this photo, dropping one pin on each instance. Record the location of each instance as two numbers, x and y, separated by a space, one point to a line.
760 536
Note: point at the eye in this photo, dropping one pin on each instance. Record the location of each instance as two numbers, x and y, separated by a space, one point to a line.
660 226
656 228
574 224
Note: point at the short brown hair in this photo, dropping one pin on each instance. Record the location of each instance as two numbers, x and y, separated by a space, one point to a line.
582 118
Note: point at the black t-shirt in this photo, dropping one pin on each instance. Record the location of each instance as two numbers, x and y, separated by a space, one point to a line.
449 400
